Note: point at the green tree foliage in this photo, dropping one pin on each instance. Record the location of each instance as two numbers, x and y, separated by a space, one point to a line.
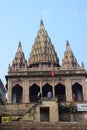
71 108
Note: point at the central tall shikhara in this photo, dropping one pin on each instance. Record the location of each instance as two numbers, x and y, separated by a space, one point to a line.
26 78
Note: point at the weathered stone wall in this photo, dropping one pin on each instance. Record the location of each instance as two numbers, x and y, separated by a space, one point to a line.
78 116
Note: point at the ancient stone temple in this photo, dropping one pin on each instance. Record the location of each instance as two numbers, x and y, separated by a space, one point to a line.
43 73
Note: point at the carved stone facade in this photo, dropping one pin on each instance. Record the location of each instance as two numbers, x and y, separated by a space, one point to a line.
26 78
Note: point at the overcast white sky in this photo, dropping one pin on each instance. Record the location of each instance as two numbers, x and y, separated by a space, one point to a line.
63 20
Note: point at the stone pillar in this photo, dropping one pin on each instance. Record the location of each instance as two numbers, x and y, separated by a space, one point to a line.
68 89
25 91
53 88
9 91
28 90
84 89
41 87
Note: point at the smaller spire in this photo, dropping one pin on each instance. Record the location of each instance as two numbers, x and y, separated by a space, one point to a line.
19 60
69 60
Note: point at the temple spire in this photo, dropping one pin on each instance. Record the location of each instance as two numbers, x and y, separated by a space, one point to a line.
69 60
43 51
19 60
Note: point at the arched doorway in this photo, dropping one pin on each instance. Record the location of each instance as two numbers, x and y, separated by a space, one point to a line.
60 92
33 91
77 92
45 89
17 94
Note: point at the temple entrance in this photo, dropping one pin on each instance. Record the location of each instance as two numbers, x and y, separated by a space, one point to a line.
44 114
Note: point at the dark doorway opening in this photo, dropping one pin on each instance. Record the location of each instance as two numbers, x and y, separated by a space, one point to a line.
77 93
44 114
60 92
45 89
17 94
33 91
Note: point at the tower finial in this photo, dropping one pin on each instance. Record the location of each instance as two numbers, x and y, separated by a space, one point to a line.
68 46
19 47
19 42
41 22
82 64
67 42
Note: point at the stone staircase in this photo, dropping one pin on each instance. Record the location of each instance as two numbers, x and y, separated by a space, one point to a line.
28 125
15 109
33 107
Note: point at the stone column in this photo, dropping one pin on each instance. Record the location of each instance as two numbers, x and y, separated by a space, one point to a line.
84 89
53 88
68 89
41 87
9 91
25 91
28 90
